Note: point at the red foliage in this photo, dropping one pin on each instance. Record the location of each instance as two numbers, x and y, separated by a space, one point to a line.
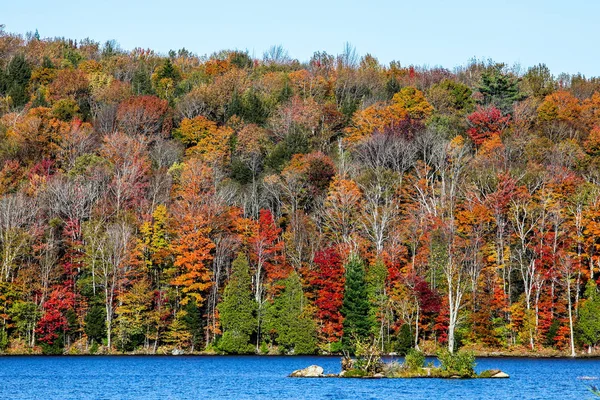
329 280
486 122
267 248
54 320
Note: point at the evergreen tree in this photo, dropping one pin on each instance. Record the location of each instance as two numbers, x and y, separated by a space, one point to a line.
254 109
95 326
588 325
357 324
17 79
404 341
499 89
238 310
193 322
378 298
141 83
293 329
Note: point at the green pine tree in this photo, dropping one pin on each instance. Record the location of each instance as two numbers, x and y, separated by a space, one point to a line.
355 309
238 310
588 325
286 318
499 89
95 326
17 79
193 322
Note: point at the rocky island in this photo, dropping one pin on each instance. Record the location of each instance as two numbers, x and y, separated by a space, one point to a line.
460 365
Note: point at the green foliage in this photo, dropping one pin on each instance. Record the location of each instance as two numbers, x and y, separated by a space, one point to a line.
294 143
461 363
499 89
141 84
414 359
95 323
588 324
3 338
25 316
234 342
405 340
65 109
250 107
355 373
238 309
284 318
538 81
355 309
193 322
16 80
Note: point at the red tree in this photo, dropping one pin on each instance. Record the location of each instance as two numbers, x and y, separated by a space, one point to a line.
329 280
486 122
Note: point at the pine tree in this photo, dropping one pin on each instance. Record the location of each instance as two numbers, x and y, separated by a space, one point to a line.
238 310
588 325
499 89
286 317
192 319
17 79
95 326
357 324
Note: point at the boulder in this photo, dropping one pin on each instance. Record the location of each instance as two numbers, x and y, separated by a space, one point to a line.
379 375
177 352
314 371
493 373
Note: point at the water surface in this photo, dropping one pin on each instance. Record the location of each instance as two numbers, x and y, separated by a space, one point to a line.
252 377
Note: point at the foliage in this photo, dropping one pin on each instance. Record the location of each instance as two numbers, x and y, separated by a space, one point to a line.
355 309
461 363
414 359
238 310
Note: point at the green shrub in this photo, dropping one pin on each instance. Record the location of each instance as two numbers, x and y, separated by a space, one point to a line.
414 359
355 373
94 348
235 343
461 363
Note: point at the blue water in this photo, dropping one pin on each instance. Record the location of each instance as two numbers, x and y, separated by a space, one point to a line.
266 377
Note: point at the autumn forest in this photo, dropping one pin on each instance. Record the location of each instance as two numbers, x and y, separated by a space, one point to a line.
165 203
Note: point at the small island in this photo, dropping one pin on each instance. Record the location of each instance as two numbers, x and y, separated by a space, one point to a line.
367 363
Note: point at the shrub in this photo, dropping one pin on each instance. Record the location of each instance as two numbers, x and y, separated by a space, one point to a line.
235 343
461 363
414 359
355 373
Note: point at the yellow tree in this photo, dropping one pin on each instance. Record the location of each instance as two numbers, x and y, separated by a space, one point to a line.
204 139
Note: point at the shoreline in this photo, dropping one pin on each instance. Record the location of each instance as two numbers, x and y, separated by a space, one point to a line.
206 354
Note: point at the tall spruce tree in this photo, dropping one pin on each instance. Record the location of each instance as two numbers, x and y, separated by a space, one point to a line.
238 310
17 79
355 309
286 318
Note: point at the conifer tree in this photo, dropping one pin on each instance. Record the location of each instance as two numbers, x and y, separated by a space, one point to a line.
238 310
286 317
357 324
589 316
499 89
17 79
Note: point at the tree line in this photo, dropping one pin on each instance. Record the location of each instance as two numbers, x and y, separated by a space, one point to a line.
227 203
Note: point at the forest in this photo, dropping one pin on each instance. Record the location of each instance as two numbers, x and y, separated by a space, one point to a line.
157 203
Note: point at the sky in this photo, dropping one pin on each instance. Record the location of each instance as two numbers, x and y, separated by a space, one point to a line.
562 34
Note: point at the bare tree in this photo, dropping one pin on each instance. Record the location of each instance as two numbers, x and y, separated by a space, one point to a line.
16 213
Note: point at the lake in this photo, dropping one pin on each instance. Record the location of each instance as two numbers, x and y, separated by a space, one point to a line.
253 377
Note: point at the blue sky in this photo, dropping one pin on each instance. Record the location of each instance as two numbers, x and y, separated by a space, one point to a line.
561 34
